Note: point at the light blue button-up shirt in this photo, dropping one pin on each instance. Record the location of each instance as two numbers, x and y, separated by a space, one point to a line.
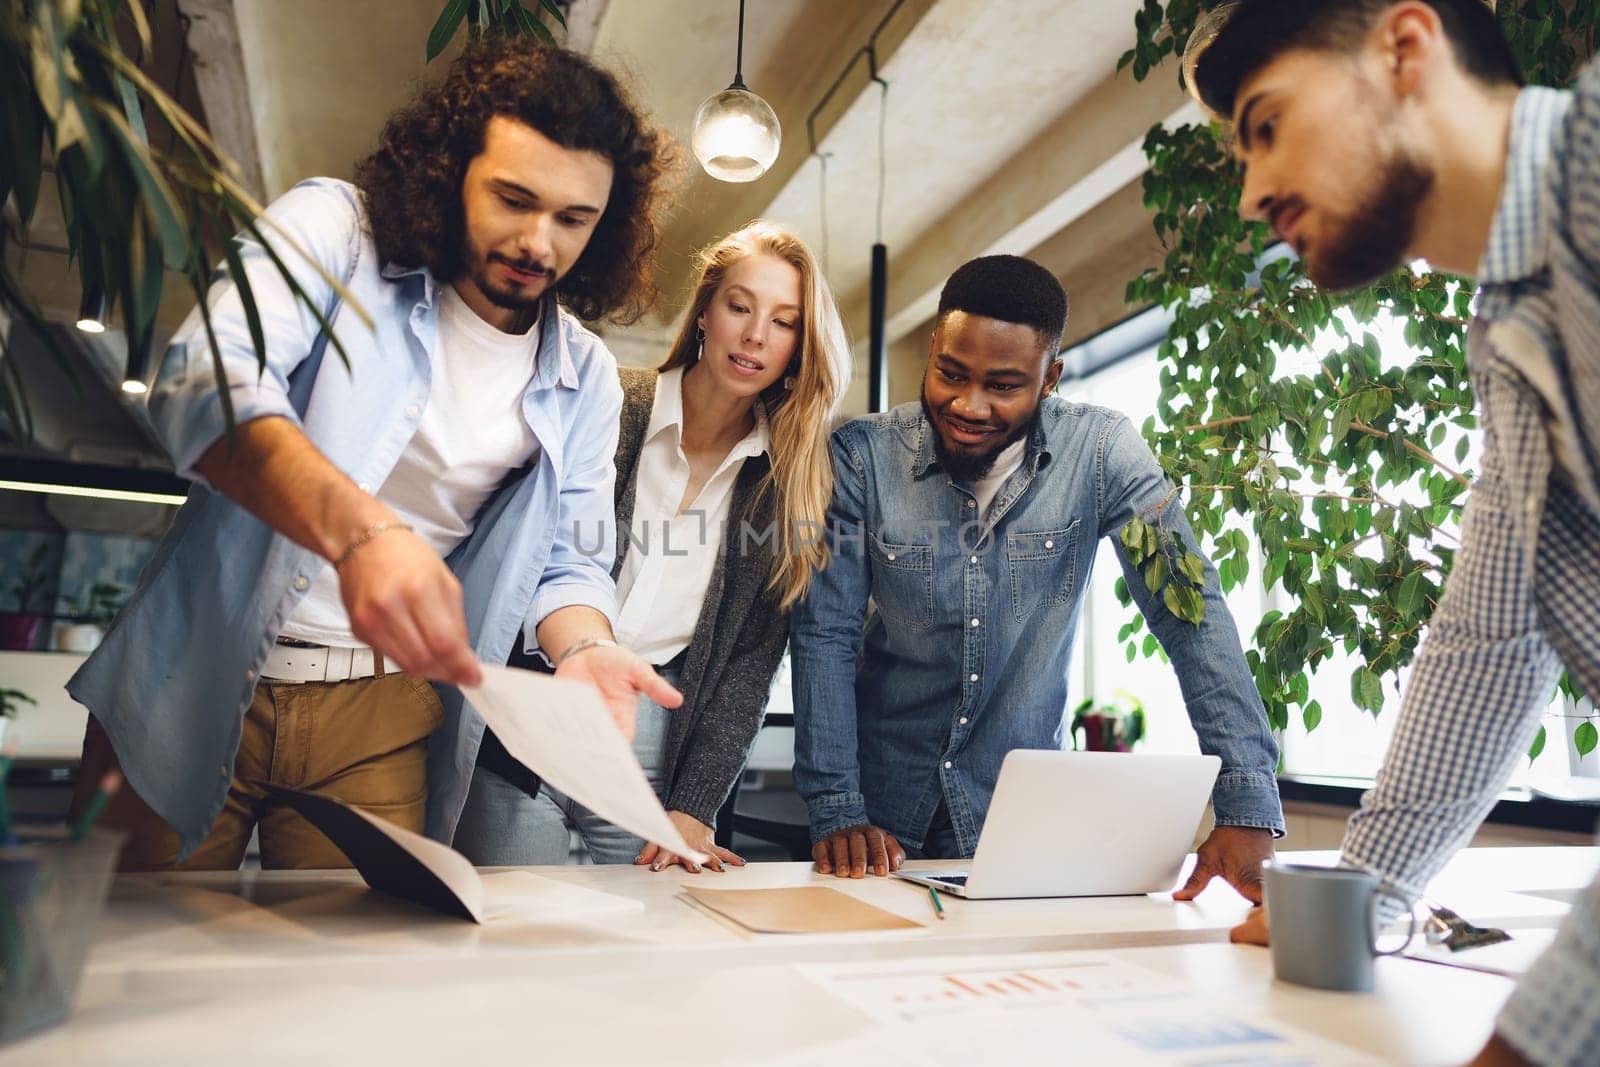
175 674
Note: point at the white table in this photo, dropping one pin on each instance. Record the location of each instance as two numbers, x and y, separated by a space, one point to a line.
282 967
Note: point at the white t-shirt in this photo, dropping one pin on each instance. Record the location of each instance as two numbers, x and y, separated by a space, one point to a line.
471 435
1005 465
672 554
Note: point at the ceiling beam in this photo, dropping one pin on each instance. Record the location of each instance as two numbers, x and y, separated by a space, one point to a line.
219 76
1089 153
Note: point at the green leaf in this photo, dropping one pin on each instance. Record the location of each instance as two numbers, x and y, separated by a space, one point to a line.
555 11
1342 417
1534 749
157 197
445 28
1155 573
1409 597
1133 537
247 298
1585 737
1312 716
520 19
1173 598
1366 689
1193 568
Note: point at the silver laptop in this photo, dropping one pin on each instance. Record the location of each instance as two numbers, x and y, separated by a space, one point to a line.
1083 824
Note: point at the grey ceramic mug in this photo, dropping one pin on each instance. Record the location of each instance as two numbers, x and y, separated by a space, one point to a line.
1324 924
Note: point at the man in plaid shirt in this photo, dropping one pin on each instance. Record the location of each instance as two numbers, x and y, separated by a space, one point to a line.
1374 132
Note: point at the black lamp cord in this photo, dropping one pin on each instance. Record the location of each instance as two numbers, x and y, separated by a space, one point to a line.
738 63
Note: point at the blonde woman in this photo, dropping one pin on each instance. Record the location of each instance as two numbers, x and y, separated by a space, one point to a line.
723 482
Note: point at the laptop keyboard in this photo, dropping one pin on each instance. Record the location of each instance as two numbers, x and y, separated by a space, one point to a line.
951 879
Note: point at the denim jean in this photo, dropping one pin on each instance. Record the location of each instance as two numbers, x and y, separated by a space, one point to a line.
502 826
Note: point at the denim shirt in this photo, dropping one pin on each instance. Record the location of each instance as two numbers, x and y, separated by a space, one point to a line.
175 674
966 653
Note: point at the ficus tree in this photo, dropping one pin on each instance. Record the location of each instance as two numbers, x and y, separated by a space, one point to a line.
1331 430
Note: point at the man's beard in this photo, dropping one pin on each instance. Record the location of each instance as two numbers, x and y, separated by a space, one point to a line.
511 299
1372 241
970 467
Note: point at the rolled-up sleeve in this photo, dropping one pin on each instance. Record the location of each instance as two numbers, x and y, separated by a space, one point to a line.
314 229
1218 692
578 572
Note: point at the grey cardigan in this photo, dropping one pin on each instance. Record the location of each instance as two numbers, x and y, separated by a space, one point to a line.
738 639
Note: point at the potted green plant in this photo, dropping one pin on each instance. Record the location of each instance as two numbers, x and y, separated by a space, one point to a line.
20 625
86 617
1110 727
1302 446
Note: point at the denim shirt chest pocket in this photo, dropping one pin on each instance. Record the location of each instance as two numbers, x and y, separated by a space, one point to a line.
1043 568
902 581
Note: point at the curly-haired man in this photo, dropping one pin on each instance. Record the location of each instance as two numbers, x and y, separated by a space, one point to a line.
400 513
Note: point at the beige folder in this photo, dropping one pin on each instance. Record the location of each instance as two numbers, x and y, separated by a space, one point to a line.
800 910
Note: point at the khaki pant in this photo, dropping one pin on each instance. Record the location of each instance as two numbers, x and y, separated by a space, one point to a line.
363 741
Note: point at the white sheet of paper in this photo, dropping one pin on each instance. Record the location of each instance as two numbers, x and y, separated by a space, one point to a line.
562 731
1087 1007
522 895
450 866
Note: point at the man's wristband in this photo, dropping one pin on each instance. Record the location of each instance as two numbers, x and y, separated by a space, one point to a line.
366 535
584 643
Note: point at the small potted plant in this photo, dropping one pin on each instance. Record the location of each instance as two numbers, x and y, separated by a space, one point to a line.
19 627
88 616
1113 727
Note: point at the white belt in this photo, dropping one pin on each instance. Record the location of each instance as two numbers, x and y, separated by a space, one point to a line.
322 663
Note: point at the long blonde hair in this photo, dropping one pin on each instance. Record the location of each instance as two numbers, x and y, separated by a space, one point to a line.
798 418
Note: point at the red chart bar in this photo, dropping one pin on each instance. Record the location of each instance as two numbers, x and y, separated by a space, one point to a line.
1040 982
997 988
964 987
1015 984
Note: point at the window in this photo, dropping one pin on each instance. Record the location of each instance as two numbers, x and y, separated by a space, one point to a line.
1349 742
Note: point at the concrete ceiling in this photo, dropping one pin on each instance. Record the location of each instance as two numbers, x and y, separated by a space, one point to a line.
1007 129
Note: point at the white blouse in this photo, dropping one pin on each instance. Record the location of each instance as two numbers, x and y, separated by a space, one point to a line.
671 554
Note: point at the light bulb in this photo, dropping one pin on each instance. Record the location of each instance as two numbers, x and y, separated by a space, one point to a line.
91 326
134 387
736 135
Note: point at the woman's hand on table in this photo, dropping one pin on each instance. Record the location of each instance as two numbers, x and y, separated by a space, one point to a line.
699 837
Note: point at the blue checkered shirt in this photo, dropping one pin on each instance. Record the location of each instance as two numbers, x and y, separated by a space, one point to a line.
1523 599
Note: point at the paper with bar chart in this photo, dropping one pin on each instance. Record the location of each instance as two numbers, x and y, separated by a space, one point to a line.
1089 1007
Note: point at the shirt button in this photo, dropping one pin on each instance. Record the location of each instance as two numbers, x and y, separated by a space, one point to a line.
972 503
1532 506
249 676
891 557
301 584
974 623
974 559
1049 544
948 765
411 411
973 678
963 720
